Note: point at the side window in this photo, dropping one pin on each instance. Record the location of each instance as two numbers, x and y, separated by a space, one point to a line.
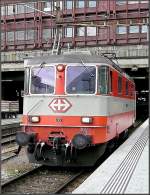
127 88
103 79
111 82
119 84
132 90
26 81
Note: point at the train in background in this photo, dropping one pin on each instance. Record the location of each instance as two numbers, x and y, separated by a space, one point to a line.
75 108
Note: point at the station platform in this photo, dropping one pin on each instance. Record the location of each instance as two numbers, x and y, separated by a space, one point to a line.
126 171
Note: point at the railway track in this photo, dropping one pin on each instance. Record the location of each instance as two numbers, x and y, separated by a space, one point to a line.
67 182
8 153
54 181
11 181
3 159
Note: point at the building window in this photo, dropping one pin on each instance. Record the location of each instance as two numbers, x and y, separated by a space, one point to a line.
92 3
20 35
68 32
133 2
46 34
121 29
2 37
29 34
91 31
80 4
144 1
20 8
2 57
10 10
144 29
30 8
69 4
80 31
145 20
48 6
57 4
61 4
2 11
120 2
133 29
119 84
10 36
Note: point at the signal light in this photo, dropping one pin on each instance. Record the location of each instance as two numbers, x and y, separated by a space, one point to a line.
60 68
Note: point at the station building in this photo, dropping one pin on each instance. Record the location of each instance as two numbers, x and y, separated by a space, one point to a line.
28 29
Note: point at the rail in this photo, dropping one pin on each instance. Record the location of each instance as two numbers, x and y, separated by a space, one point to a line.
6 183
67 182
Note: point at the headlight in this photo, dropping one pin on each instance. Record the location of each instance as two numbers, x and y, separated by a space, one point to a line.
87 120
35 119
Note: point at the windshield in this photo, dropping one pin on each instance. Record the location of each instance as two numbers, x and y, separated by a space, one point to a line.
81 79
42 80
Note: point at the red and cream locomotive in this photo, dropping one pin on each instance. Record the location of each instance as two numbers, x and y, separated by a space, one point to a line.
75 106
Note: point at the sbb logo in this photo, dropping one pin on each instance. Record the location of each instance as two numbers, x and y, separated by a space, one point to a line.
60 105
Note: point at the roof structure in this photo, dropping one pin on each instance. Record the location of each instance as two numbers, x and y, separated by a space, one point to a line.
73 57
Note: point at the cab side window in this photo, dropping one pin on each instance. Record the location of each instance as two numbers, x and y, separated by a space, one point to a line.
127 88
26 81
119 84
103 83
111 81
132 90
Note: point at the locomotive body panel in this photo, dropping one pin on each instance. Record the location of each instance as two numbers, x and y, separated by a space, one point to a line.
111 115
97 105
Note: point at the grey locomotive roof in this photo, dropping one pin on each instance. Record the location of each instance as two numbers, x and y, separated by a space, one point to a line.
72 58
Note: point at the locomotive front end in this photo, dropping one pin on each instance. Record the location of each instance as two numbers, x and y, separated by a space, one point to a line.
61 115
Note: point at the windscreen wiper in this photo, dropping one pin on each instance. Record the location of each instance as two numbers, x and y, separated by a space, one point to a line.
87 69
42 65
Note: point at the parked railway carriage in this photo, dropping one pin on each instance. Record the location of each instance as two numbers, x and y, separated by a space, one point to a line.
74 107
